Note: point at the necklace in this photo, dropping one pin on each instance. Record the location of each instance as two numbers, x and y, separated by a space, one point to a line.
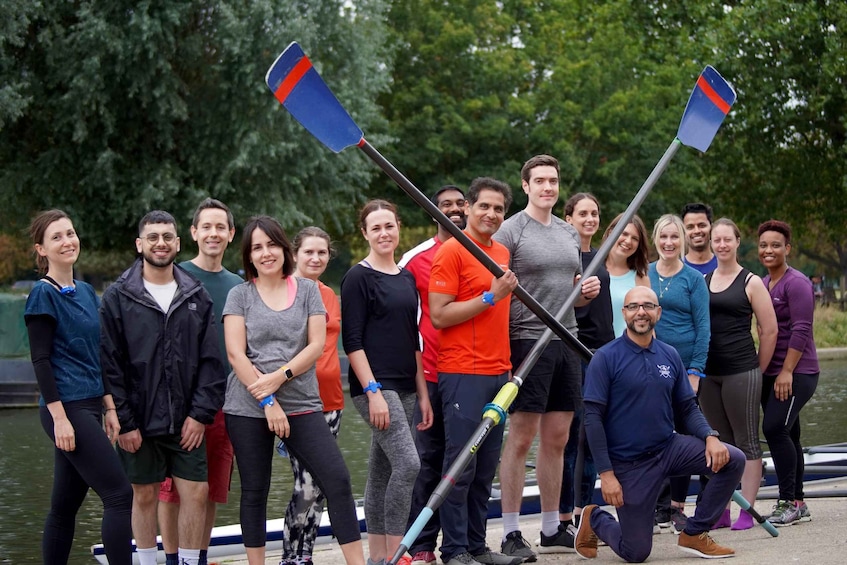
66 290
662 279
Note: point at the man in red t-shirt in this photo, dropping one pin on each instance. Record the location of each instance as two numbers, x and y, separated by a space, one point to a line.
430 443
471 308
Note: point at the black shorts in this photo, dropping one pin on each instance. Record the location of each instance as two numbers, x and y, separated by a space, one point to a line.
162 456
555 382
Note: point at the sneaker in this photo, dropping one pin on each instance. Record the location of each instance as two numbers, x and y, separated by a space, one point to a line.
488 557
463 558
678 520
515 546
585 540
424 558
702 545
805 515
561 542
405 560
784 514
662 521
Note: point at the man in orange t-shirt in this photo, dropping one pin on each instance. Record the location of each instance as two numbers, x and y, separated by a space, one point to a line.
471 308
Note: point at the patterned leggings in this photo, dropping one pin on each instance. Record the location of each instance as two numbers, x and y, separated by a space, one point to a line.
303 515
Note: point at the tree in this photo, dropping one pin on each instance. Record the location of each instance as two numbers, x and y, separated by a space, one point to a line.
115 108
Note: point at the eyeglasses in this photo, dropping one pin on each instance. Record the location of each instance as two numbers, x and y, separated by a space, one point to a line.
634 306
153 238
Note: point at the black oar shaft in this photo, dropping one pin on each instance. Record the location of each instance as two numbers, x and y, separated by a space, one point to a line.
424 202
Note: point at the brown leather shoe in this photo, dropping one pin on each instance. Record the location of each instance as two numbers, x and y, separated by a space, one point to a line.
702 545
585 541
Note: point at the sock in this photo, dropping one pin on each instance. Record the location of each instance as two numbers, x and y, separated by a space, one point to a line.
189 556
172 559
575 519
147 556
203 557
550 522
511 523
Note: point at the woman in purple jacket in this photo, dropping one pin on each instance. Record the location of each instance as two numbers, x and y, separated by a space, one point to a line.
792 375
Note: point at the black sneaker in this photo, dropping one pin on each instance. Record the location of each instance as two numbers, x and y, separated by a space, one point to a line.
560 542
662 521
678 520
488 557
515 546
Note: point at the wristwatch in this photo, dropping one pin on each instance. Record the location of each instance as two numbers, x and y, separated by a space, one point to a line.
713 433
289 374
488 297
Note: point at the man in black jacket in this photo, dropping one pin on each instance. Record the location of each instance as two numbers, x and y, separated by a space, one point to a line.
160 352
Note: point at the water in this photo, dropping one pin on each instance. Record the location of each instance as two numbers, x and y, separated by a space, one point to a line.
26 470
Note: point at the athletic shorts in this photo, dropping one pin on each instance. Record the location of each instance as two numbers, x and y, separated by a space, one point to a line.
553 384
219 460
160 457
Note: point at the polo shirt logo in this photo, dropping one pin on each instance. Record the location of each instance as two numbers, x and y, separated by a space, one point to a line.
664 371
192 306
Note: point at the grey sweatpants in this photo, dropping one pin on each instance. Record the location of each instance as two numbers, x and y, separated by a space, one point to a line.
393 465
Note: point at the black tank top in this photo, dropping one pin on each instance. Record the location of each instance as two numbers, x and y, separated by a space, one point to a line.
731 349
595 319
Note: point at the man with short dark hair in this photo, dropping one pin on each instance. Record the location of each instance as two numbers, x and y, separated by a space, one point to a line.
430 443
697 219
213 228
636 387
471 308
544 253
160 352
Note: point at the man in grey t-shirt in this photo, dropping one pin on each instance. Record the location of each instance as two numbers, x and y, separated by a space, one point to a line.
545 256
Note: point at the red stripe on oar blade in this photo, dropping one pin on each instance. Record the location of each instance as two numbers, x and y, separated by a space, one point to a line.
712 95
292 78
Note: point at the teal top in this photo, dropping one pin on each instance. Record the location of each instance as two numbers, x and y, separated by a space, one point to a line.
618 287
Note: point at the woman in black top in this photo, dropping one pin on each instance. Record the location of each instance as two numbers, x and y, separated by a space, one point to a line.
731 392
379 330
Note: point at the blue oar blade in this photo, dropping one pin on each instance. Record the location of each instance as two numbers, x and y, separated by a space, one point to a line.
301 90
708 105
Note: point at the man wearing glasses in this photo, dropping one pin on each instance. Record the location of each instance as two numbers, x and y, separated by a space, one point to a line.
636 387
160 352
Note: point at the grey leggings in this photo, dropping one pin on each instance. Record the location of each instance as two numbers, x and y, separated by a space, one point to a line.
731 406
393 465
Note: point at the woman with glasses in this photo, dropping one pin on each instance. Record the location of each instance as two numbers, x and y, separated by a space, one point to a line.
64 335
732 390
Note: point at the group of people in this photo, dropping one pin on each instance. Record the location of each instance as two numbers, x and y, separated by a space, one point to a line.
191 369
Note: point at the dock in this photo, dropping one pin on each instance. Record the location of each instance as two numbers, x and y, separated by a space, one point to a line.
823 541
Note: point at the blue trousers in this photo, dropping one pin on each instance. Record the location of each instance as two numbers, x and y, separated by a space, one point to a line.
631 537
464 512
430 444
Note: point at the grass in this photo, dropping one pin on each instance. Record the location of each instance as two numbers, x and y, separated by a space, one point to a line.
830 327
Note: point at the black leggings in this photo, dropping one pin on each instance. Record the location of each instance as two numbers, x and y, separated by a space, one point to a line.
311 442
93 464
781 426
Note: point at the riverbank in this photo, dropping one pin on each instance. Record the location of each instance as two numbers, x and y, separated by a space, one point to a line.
821 541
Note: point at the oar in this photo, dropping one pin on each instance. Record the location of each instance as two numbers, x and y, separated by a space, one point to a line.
742 502
300 89
297 85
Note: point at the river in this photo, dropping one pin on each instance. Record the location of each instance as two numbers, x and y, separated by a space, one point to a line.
26 470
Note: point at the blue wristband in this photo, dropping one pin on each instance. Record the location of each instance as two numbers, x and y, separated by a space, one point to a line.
373 386
488 298
267 401
697 373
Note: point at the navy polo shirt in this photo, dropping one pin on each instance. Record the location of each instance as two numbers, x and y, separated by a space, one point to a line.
638 388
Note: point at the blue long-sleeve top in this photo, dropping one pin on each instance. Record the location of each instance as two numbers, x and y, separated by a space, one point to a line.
684 323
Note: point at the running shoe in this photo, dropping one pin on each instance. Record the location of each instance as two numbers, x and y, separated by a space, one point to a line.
662 521
515 546
560 542
463 558
805 515
785 513
424 558
678 520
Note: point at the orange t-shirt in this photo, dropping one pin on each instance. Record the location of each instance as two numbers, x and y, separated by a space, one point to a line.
479 346
328 367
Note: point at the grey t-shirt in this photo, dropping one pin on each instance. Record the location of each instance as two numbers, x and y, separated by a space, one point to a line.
545 259
273 339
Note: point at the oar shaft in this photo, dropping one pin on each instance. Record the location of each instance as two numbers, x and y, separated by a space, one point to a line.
472 248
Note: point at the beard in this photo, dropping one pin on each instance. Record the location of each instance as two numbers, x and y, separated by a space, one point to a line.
150 257
634 329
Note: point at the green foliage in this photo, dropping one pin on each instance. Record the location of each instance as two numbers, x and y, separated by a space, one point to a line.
116 108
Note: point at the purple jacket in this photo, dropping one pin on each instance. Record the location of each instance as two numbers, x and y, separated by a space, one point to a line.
794 303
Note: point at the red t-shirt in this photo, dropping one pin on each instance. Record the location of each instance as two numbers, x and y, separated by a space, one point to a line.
418 261
479 346
328 367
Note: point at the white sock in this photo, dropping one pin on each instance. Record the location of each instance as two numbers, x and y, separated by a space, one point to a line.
147 556
550 522
189 556
511 523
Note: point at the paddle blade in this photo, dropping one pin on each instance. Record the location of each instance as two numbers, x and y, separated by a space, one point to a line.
708 105
301 90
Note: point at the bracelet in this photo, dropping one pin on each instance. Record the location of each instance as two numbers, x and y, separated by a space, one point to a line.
488 298
373 386
267 401
697 373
